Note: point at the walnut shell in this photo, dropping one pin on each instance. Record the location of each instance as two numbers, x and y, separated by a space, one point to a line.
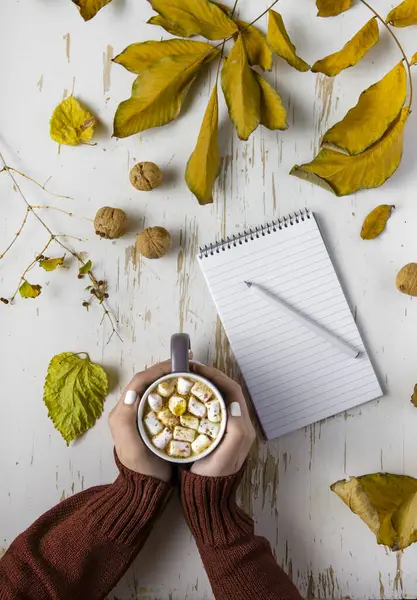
110 223
154 242
407 279
145 176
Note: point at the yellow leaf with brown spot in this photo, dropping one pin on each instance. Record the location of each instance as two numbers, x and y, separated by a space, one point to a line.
241 91
332 8
386 503
257 48
170 26
89 8
140 56
273 113
376 221
204 163
377 108
196 17
50 264
159 92
27 290
343 174
403 15
280 42
71 124
351 53
414 60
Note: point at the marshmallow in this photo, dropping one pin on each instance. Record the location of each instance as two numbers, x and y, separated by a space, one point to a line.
162 439
197 408
177 405
166 388
201 391
167 418
155 402
214 412
183 434
184 386
179 449
208 428
189 421
200 444
152 423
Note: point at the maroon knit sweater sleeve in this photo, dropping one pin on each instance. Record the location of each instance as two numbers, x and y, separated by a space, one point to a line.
81 548
239 564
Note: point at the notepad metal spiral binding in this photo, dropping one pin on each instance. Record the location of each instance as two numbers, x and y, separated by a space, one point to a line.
251 234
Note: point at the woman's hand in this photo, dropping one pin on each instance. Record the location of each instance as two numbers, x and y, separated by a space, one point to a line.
229 456
130 448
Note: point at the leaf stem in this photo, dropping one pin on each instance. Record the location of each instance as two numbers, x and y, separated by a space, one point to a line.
397 41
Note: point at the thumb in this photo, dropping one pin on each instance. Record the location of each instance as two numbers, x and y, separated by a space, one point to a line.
131 399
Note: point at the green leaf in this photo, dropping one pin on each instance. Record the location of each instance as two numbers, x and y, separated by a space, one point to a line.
204 163
257 49
241 91
351 53
376 221
343 174
196 17
332 8
50 264
74 394
89 8
85 268
138 57
280 42
377 108
403 15
273 113
27 290
169 26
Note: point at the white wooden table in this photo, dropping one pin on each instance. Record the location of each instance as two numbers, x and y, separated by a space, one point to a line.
46 52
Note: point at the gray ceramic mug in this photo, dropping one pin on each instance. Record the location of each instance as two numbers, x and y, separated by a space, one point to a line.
180 367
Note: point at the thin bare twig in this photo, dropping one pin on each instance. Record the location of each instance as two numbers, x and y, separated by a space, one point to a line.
53 208
19 231
7 168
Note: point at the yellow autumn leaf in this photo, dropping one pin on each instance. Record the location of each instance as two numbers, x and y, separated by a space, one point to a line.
376 221
343 174
89 8
414 60
414 396
138 57
273 113
280 42
376 109
351 53
168 25
204 163
257 49
158 93
404 14
71 124
386 503
28 290
196 17
50 264
241 91
332 8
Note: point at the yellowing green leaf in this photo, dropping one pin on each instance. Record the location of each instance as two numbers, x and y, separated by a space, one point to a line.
50 264
241 91
169 26
386 503
27 290
404 14
280 42
273 113
138 57
196 17
376 109
257 49
204 163
89 8
74 394
332 8
85 268
376 221
414 60
71 124
158 93
343 174
414 396
351 53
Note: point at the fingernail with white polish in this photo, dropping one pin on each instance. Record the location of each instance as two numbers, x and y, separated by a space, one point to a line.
130 397
235 410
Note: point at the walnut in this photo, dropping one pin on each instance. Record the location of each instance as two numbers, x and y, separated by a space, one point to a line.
154 242
110 222
145 176
407 279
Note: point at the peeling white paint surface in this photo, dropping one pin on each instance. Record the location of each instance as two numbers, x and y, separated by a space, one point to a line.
47 51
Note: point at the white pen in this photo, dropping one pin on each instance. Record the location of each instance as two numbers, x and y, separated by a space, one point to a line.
306 321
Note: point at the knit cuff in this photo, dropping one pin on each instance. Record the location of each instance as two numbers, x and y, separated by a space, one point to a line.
126 509
210 509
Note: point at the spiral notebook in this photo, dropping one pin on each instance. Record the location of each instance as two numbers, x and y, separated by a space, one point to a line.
294 377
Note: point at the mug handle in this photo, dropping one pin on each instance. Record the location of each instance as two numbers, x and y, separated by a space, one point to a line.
180 347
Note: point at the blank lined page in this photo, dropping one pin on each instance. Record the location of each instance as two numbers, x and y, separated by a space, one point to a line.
294 377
